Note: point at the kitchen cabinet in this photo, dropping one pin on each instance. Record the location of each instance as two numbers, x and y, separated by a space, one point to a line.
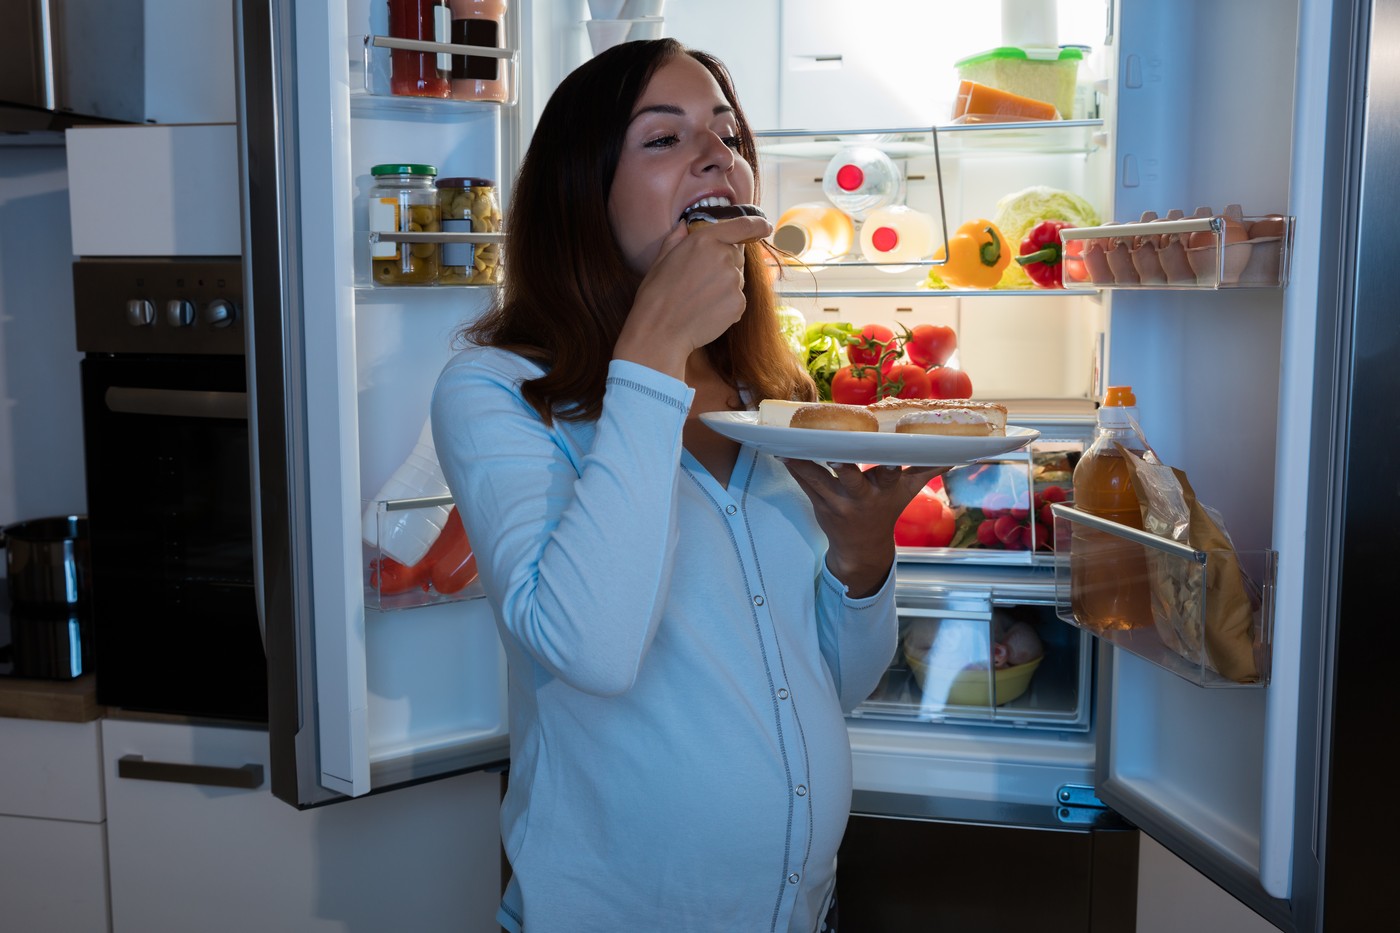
53 864
187 853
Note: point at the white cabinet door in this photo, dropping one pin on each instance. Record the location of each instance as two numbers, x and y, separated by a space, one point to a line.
53 876
198 856
53 868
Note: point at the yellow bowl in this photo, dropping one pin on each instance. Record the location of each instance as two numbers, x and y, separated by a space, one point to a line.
969 687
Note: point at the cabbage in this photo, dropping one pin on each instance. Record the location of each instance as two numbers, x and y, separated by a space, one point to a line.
1021 210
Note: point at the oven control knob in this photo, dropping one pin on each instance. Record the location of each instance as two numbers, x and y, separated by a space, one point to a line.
219 313
179 312
140 312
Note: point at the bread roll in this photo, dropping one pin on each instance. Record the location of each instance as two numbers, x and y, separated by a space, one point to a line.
888 411
829 416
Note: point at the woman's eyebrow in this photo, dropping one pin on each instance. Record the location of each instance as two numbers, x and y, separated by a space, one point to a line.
679 111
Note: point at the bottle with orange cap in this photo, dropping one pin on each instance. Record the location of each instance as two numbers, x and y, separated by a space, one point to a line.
1108 574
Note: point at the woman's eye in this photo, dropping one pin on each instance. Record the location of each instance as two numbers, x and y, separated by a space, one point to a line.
661 141
732 141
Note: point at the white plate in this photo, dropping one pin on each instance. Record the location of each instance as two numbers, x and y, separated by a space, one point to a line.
874 447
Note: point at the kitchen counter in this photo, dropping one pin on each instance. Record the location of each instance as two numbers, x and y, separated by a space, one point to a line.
57 700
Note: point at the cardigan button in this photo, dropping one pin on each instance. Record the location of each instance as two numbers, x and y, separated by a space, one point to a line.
758 600
730 509
794 878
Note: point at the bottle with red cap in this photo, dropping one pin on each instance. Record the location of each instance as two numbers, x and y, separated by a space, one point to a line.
895 236
860 179
1108 573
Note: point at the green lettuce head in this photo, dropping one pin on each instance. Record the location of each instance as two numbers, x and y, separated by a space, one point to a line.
1019 211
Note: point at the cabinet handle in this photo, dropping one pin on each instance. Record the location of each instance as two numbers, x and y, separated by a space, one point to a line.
136 767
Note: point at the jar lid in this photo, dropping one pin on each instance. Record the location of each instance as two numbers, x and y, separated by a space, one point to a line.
403 168
466 183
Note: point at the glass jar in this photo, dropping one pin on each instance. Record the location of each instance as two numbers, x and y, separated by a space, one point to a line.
403 200
419 74
469 205
481 23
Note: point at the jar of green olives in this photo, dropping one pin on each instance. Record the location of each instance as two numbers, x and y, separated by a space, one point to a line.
403 200
469 205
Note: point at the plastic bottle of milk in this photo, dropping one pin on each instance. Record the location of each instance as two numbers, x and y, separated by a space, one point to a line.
859 179
408 533
897 234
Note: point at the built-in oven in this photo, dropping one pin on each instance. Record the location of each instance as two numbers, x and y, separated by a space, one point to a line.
166 448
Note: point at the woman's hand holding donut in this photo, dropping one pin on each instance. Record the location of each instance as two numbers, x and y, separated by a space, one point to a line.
857 509
691 295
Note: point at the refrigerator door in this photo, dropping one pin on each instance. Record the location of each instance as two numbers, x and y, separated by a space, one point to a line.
1235 780
360 700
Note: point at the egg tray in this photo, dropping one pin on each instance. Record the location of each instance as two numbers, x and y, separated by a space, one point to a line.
1205 250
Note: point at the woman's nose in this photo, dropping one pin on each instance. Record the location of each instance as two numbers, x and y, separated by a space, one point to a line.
715 153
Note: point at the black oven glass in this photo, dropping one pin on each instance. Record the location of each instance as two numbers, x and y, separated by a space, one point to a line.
174 608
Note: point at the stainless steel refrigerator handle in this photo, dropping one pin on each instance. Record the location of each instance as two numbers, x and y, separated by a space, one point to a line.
184 403
137 768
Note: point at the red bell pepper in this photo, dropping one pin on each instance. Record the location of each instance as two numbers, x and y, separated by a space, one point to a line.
1042 253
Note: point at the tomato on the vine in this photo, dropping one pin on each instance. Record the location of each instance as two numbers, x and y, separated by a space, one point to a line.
875 345
930 345
925 522
950 383
907 380
855 385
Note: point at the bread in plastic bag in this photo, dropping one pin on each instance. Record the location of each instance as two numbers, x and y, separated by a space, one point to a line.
1224 640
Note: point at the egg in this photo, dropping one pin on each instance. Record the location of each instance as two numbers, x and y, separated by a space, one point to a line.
1235 232
1266 227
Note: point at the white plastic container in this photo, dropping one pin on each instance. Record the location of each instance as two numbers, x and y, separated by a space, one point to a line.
408 533
860 179
897 235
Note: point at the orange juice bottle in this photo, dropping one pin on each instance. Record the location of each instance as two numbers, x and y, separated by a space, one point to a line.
1108 574
814 232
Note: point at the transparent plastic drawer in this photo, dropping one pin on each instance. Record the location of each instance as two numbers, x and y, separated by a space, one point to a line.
997 510
964 659
447 572
1205 250
1206 616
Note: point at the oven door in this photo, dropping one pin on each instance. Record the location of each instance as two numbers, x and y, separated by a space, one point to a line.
168 476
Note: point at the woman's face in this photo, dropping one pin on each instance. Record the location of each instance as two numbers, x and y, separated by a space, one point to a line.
681 147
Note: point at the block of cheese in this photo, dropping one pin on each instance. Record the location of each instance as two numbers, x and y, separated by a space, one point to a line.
777 412
983 100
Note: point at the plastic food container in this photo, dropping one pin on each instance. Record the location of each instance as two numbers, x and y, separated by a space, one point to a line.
469 205
1042 74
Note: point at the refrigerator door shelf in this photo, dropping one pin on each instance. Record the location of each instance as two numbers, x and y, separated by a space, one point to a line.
446 573
370 70
1181 252
1198 600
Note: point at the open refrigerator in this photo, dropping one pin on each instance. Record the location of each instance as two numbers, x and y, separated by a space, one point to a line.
1177 106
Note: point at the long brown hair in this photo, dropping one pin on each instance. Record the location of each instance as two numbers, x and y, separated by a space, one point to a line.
568 289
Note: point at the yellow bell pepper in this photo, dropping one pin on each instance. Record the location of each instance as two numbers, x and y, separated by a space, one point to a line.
977 255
